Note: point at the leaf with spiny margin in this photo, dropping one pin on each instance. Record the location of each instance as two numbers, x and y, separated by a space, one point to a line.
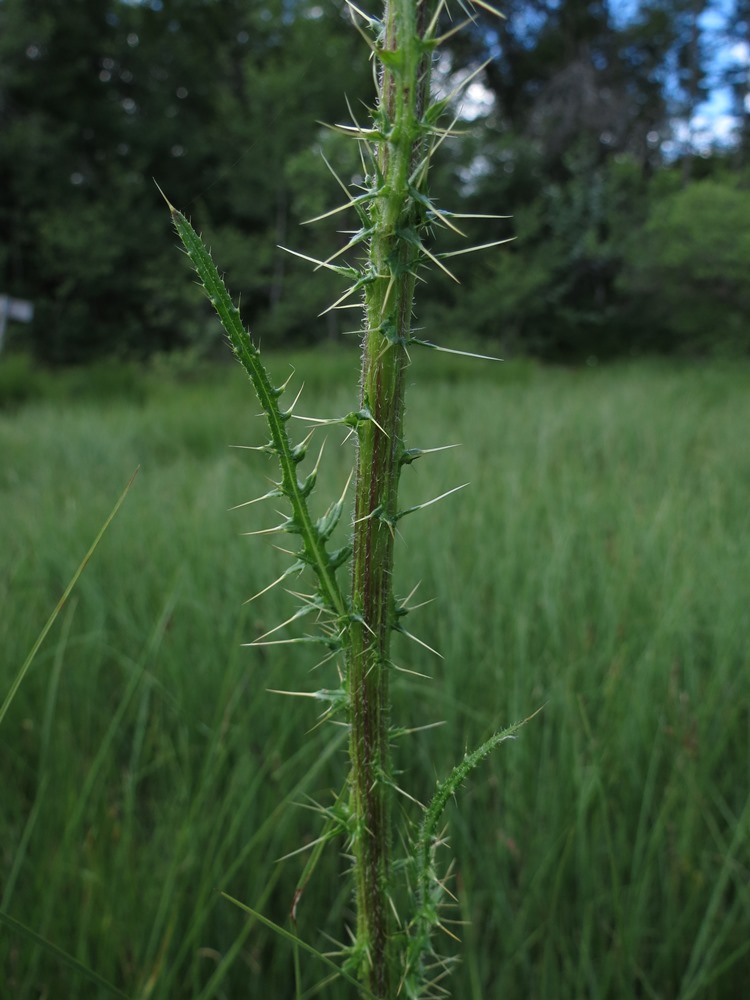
301 521
430 889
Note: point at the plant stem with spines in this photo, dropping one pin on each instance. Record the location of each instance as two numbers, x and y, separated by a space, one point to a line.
391 954
393 258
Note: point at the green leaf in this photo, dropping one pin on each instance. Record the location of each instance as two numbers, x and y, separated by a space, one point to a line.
61 603
299 943
59 953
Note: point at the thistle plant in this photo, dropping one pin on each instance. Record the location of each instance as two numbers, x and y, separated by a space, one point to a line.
398 898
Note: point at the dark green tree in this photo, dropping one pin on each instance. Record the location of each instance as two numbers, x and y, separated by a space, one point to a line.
587 101
687 269
100 97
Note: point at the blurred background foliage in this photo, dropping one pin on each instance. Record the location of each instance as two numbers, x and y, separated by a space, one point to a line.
630 206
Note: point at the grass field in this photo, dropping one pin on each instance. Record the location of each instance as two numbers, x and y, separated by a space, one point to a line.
598 565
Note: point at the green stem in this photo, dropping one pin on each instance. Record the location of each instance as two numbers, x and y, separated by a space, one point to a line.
394 257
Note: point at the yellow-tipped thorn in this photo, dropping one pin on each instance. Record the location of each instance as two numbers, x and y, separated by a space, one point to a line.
435 18
275 583
337 303
481 246
434 259
266 496
420 642
170 206
489 8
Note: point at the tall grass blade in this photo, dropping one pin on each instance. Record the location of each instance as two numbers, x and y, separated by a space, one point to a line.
61 603
299 943
62 956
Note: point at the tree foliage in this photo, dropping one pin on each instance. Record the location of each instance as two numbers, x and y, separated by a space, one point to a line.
98 99
688 268
583 132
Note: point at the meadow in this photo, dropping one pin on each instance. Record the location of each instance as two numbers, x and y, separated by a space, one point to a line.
596 567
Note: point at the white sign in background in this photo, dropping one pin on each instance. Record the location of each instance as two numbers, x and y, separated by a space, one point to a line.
17 309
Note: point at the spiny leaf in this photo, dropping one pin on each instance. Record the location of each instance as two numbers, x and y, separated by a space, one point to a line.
249 356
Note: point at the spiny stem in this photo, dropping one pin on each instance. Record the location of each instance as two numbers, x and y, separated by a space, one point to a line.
390 956
393 260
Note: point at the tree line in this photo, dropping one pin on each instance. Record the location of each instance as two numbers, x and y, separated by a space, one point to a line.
630 221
